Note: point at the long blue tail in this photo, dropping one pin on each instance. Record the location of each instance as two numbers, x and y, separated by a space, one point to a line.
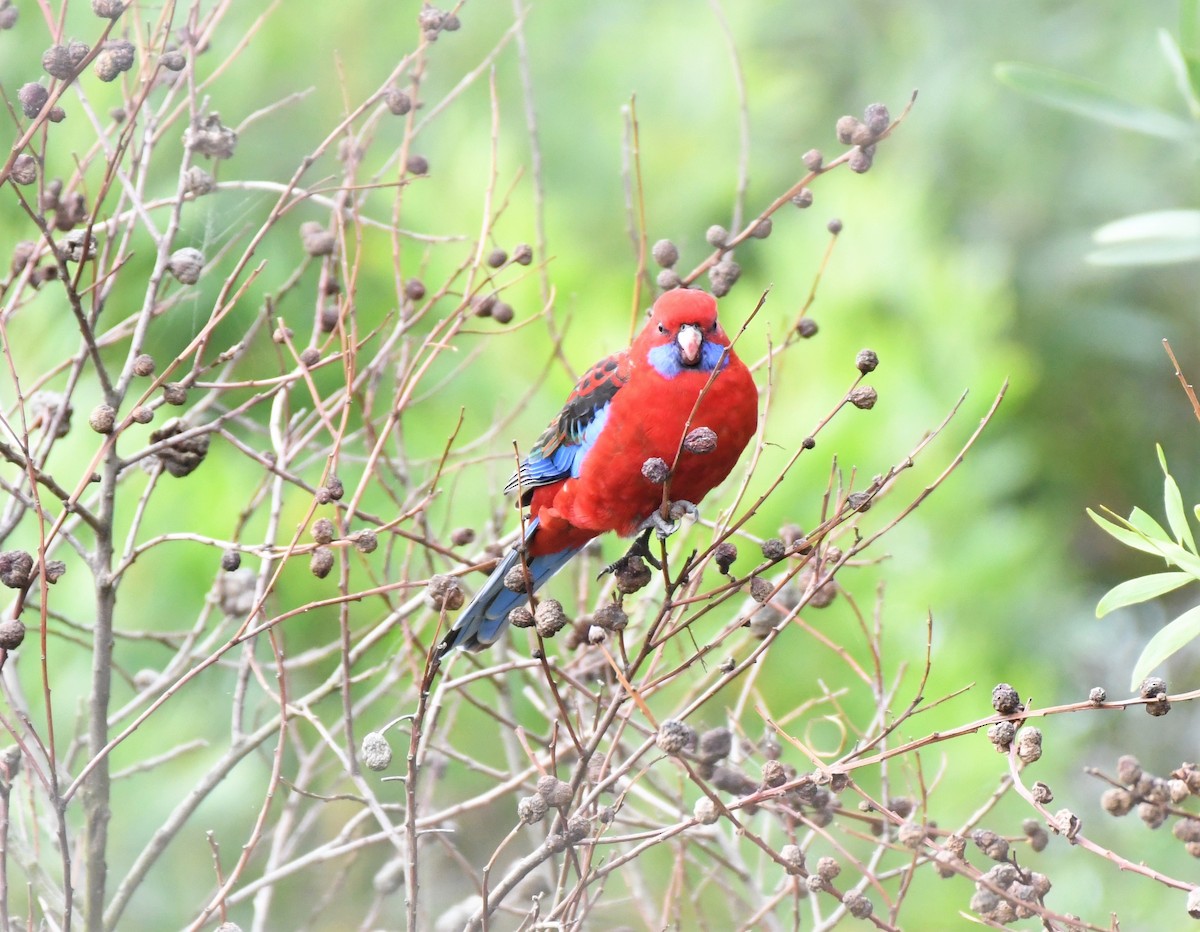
484 620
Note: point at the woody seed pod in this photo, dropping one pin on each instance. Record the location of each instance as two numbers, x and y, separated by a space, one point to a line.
705 811
803 198
877 118
656 470
665 253
24 169
16 569
521 617
58 62
549 618
108 9
793 857
32 97
859 906
317 240
209 136
173 60
773 548
186 264
760 589
1005 699
114 59
12 633
863 397
674 736
398 102
846 126
866 361
724 554
321 562
632 575
700 441
102 419
1029 744
444 593
376 752
198 182
531 809
556 792
323 531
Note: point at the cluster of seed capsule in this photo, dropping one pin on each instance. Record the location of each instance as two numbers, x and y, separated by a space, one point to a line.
1155 798
443 592
724 273
863 135
710 755
19 570
1005 892
1027 739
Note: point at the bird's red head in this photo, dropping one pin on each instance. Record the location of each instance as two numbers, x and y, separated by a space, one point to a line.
682 333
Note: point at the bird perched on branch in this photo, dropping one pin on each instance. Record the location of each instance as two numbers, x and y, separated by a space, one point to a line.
676 409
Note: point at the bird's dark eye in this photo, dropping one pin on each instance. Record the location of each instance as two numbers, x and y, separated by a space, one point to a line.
713 328
662 328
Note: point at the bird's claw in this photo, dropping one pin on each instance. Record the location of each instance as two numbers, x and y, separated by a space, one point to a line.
639 548
665 527
662 527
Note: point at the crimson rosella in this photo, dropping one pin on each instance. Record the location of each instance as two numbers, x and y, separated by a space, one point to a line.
584 475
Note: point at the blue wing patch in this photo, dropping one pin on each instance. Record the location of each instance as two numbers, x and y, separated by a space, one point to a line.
564 461
560 451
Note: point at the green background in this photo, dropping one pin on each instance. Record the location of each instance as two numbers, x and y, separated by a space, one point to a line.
962 263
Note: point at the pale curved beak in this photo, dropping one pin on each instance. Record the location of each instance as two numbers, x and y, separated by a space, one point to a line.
690 340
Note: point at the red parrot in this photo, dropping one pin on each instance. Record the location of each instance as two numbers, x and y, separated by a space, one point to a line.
584 474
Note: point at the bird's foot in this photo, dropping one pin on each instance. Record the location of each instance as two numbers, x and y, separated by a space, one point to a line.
639 548
665 527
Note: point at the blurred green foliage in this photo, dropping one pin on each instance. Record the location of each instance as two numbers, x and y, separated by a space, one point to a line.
961 264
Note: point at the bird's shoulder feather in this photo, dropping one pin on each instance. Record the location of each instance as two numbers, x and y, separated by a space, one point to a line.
558 452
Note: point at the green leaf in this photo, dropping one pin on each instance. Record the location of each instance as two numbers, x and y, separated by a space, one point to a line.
1142 523
1189 26
1140 520
1178 64
1189 40
1154 224
1129 538
1155 252
1158 237
1174 636
1141 589
1173 500
1075 95
1143 533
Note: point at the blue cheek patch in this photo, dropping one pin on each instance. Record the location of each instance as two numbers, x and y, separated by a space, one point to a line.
667 362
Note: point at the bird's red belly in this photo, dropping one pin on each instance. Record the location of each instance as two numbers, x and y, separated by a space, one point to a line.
612 494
